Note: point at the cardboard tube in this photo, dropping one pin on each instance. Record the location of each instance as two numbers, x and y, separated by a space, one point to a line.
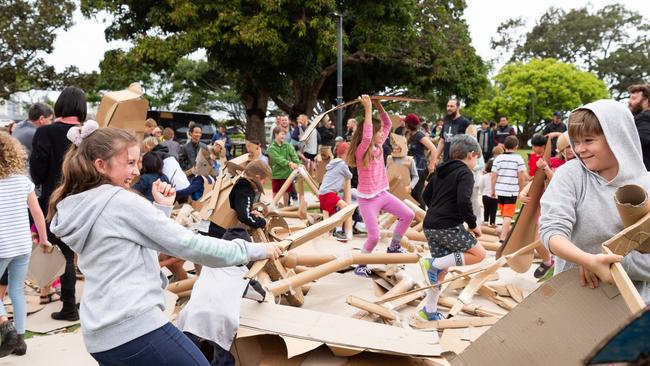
415 235
419 213
182 285
183 294
292 260
490 245
371 307
284 187
287 284
490 230
632 203
390 220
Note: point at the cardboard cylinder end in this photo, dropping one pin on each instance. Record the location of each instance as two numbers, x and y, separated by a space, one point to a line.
632 203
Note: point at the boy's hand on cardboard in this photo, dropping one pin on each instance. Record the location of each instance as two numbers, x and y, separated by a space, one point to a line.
273 251
597 268
163 193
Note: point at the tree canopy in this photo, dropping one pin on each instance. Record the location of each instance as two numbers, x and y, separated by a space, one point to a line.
528 93
611 42
286 51
28 31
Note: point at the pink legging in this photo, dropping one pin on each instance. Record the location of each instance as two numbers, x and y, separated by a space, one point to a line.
369 209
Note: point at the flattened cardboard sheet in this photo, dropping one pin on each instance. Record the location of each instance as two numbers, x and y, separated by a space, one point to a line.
337 330
558 324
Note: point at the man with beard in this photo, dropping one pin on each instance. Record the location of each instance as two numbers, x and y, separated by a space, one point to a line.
639 105
455 124
283 122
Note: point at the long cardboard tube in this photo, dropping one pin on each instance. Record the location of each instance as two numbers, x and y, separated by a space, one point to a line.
371 307
629 293
288 284
490 230
309 180
301 198
284 187
415 235
502 261
419 213
490 245
292 260
390 220
456 323
471 309
183 285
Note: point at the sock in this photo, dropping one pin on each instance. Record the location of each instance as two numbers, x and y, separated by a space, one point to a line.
450 260
431 299
395 241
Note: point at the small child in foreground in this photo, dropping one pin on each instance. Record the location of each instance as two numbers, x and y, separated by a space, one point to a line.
336 173
448 196
578 208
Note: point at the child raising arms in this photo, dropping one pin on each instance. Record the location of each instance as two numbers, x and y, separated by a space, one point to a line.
117 233
366 154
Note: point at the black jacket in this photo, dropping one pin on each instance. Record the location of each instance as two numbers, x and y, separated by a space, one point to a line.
187 154
327 136
642 121
449 196
48 150
241 199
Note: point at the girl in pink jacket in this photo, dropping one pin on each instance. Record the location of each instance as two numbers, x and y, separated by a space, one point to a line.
366 154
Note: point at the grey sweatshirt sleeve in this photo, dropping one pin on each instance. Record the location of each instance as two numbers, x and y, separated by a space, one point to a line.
414 174
151 228
558 204
637 266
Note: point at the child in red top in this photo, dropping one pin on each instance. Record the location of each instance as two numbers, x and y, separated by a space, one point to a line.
538 142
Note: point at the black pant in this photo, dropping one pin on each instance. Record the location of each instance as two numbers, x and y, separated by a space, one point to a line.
416 193
490 209
69 277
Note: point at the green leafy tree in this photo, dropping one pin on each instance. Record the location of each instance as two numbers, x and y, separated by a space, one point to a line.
286 51
28 31
529 93
611 42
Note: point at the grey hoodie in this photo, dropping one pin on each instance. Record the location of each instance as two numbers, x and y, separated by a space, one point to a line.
117 234
579 204
336 172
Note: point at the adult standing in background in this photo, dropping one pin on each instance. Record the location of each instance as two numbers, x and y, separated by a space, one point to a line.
168 140
49 146
454 124
503 130
350 128
327 133
556 125
39 114
418 141
639 105
189 151
485 139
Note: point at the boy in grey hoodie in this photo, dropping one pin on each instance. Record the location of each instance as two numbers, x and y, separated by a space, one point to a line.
578 207
118 234
336 172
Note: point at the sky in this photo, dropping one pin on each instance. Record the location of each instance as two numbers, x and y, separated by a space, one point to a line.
85 40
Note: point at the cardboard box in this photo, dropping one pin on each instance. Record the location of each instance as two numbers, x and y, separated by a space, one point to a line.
126 109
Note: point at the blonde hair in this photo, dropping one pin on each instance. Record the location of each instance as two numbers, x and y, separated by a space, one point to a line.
149 143
584 122
78 172
12 156
497 150
356 140
150 122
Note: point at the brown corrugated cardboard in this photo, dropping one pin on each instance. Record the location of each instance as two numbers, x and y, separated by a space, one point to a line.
125 109
558 324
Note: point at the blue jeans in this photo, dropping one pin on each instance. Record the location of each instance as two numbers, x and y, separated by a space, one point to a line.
164 346
17 268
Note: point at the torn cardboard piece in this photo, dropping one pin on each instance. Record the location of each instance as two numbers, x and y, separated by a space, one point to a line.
126 109
337 330
533 328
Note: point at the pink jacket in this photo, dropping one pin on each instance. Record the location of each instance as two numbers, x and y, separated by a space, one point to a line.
372 179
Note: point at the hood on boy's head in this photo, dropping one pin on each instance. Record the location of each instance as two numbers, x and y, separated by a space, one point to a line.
621 134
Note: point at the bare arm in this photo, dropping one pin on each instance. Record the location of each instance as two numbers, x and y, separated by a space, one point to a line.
426 141
494 183
436 154
590 264
39 218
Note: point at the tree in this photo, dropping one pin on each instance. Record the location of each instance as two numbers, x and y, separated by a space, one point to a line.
28 31
286 51
612 42
528 93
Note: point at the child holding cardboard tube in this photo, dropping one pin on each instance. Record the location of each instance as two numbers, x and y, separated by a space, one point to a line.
448 196
283 159
122 319
366 154
578 208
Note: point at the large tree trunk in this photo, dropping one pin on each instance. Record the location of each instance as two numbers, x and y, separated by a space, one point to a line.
255 103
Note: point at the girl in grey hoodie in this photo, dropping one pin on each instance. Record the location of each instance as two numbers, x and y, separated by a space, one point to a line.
578 208
117 235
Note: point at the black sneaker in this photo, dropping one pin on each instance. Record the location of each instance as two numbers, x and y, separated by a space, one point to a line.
10 339
254 291
21 348
543 269
72 316
340 236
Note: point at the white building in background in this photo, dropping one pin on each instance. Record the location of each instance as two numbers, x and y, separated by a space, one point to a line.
12 110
